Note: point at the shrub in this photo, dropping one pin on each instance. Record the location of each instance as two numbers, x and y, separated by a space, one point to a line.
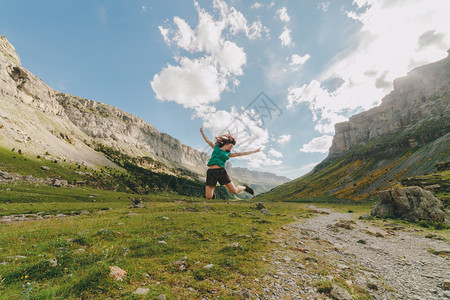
324 286
423 224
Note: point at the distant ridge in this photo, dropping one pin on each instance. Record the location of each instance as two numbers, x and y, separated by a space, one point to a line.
408 134
43 122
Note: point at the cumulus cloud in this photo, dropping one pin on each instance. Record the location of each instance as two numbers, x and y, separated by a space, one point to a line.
319 144
193 83
165 33
324 6
284 138
201 80
260 159
256 5
395 37
285 37
283 14
243 125
275 153
431 38
298 61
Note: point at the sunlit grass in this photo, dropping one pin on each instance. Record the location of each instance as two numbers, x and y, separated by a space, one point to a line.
145 242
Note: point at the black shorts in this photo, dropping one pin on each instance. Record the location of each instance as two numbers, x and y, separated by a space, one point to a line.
217 175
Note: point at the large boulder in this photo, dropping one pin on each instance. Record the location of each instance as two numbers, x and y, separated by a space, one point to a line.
411 203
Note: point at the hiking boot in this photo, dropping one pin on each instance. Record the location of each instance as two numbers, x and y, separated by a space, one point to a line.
249 190
214 196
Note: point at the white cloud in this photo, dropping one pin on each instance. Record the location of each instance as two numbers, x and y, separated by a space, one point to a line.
324 6
165 33
284 16
247 130
285 37
275 153
396 36
260 159
195 82
256 5
201 80
243 126
297 60
319 144
327 107
284 138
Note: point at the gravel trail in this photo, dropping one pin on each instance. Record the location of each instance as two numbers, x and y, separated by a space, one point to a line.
389 262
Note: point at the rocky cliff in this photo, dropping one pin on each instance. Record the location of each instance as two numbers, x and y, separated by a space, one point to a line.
419 98
132 135
407 135
41 121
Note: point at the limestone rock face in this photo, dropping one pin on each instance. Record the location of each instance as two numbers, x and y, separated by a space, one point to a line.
22 85
420 97
132 135
37 119
411 203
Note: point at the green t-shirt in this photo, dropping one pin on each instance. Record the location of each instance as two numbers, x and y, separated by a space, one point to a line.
218 157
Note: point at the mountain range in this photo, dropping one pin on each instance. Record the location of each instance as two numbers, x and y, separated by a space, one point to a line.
403 141
46 124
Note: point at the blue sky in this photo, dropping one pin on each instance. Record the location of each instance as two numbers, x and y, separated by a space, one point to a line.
180 65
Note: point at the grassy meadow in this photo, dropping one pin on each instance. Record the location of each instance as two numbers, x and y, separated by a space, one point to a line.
70 257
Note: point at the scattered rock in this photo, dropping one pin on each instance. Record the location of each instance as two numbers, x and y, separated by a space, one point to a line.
117 273
366 217
339 293
162 242
234 245
53 262
303 250
446 285
141 291
45 168
260 205
243 294
411 203
372 286
136 203
181 264
191 209
161 297
5 175
265 211
210 266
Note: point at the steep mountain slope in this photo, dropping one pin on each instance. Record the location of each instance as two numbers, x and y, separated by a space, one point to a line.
408 134
40 121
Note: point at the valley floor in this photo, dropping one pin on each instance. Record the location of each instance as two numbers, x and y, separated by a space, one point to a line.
390 261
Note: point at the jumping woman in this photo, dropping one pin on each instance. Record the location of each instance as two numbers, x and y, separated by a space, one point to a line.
216 165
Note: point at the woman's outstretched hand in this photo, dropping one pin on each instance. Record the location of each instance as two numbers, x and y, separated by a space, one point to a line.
257 150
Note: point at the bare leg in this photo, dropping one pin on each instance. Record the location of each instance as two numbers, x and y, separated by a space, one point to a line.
209 192
235 189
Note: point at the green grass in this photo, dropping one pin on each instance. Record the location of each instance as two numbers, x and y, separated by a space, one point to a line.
204 232
13 162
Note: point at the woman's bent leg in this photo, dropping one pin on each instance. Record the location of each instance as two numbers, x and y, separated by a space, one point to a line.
235 189
209 191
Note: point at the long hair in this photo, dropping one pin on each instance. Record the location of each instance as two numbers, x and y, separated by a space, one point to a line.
224 139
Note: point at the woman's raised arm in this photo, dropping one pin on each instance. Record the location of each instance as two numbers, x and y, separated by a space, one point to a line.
244 153
206 138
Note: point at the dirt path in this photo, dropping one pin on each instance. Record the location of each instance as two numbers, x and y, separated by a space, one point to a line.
388 263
